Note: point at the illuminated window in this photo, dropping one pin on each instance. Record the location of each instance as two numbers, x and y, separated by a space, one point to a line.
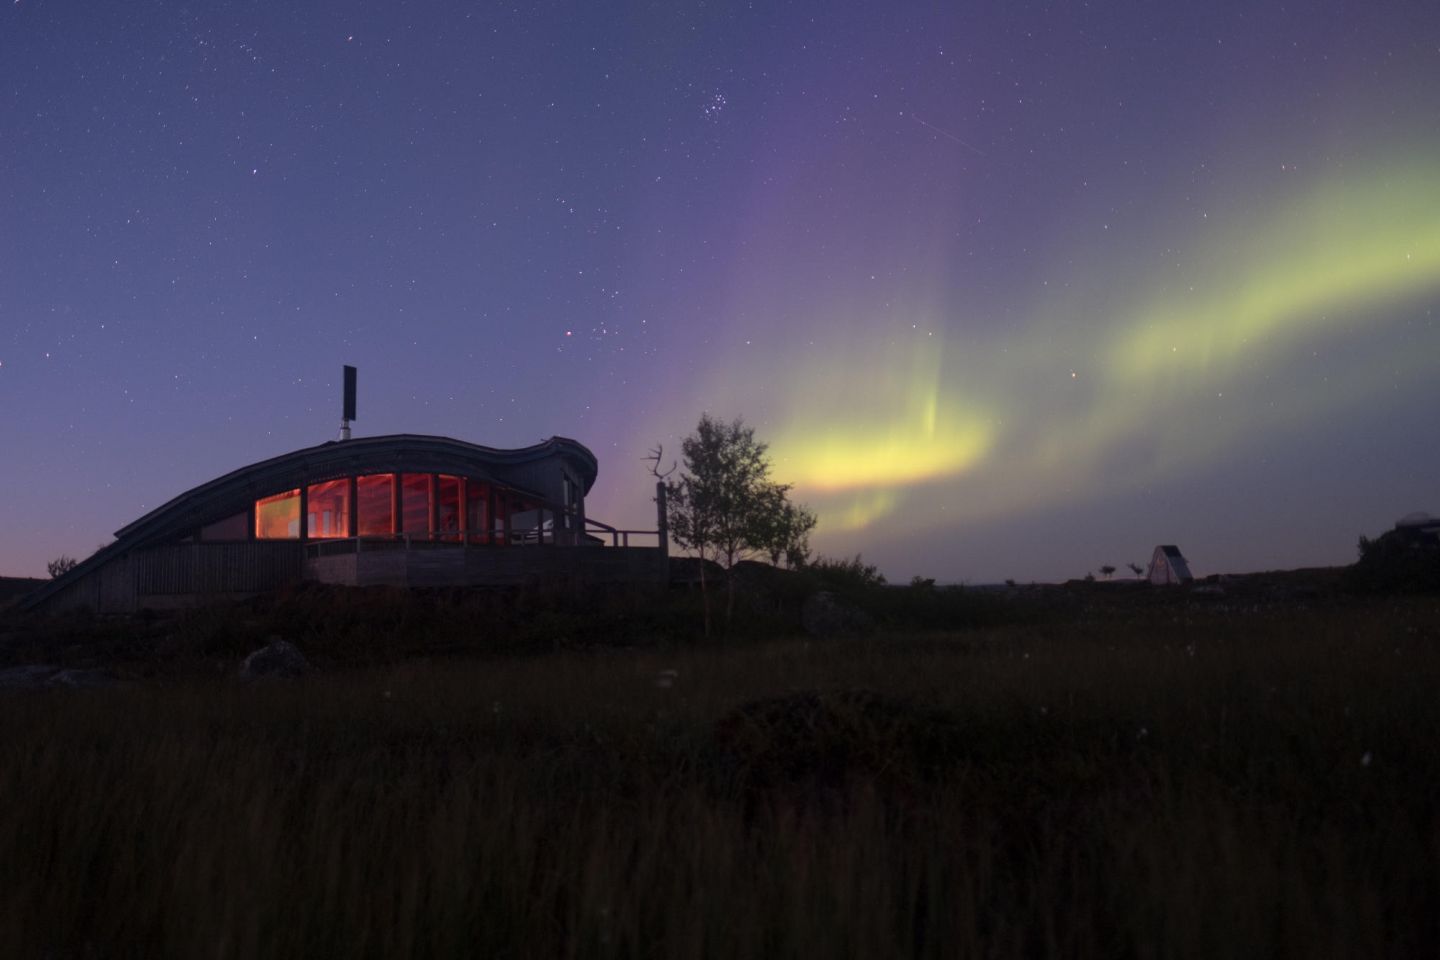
528 521
415 502
477 511
231 528
501 507
328 506
375 501
278 517
447 493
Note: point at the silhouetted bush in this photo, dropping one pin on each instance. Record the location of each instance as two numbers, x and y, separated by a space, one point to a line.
921 605
1397 561
845 576
61 565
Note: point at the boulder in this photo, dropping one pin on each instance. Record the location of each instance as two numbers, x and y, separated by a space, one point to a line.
82 678
32 675
278 658
826 616
37 675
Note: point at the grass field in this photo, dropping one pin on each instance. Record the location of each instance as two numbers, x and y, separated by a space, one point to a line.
1167 781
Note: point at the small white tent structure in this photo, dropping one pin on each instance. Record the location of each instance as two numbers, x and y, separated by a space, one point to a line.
1168 566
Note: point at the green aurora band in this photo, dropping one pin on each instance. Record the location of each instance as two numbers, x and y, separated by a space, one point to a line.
1164 375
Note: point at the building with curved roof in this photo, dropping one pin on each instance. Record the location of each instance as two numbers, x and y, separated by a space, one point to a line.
404 510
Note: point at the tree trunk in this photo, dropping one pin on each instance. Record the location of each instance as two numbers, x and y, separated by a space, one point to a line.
704 594
729 593
729 583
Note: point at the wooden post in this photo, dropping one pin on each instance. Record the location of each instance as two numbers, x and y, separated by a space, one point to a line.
662 525
434 507
304 513
397 501
463 520
487 516
352 522
577 493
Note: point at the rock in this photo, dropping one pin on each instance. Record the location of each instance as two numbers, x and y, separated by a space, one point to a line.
33 675
82 678
826 616
278 658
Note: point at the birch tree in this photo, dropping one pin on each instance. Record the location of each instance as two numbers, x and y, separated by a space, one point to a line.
725 507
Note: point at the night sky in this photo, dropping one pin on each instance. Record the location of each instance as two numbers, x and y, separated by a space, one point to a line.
1012 290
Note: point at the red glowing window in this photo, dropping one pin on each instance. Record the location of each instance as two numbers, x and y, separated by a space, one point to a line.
278 517
328 509
448 503
375 503
415 503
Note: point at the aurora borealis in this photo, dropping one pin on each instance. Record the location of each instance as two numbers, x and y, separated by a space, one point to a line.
1324 269
1011 292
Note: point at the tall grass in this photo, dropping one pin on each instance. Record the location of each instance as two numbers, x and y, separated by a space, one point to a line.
1177 784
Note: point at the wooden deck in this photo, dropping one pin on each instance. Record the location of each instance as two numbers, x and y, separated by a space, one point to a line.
458 565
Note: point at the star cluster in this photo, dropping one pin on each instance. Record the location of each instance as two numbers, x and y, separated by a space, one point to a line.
1011 290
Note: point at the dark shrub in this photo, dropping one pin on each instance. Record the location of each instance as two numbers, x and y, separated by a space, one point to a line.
845 576
1397 561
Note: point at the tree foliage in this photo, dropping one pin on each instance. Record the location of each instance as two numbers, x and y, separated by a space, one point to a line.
724 506
784 530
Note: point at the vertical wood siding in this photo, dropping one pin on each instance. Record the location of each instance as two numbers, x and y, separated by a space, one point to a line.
217 567
491 566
